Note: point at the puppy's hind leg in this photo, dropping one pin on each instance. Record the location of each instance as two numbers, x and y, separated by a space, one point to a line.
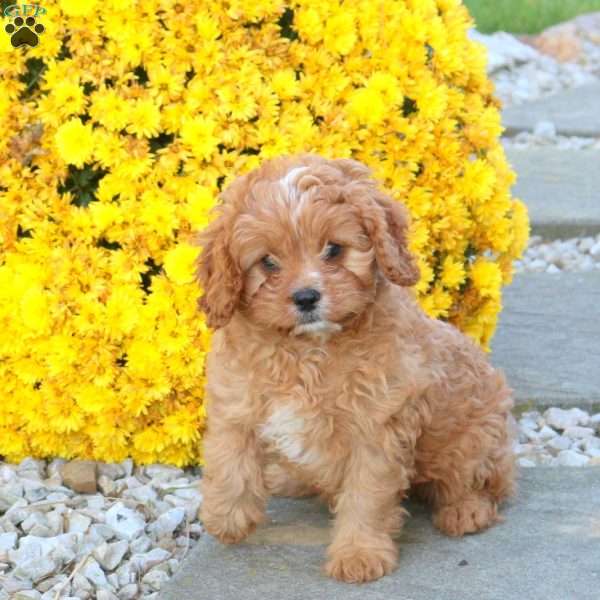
469 470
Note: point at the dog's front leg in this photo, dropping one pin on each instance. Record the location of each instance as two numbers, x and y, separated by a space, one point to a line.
368 513
232 485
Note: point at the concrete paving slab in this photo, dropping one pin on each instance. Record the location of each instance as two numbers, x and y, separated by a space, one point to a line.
547 549
574 112
561 189
548 339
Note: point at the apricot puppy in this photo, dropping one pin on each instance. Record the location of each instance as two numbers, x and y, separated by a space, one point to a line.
326 377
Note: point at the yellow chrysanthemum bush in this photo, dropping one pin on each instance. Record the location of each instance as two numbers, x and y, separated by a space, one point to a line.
120 128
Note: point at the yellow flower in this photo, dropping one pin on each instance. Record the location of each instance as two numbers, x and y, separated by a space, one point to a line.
109 109
69 97
367 106
453 272
74 142
207 26
144 118
78 8
35 306
487 278
179 263
181 427
340 33
200 201
123 310
285 84
199 134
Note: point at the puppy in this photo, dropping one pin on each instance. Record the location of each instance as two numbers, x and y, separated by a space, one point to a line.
326 377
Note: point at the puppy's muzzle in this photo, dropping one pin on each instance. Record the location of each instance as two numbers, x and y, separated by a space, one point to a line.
306 299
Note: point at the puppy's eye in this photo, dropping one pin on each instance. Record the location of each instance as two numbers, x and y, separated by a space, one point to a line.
332 251
269 264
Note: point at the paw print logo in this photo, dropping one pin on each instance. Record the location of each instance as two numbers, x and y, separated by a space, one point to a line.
24 32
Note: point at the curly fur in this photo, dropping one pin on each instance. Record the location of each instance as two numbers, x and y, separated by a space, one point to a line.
372 402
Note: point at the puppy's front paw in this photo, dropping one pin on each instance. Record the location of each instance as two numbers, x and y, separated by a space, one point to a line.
470 515
355 564
232 527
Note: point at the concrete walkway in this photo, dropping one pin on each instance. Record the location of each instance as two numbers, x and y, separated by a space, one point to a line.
573 112
547 549
561 189
548 339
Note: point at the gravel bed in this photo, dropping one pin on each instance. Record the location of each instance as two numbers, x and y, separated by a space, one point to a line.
121 543
545 135
558 437
523 74
124 541
538 79
576 254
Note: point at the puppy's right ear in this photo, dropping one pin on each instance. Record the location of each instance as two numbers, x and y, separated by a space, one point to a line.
218 274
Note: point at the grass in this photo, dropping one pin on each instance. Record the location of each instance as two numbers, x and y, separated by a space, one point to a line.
526 16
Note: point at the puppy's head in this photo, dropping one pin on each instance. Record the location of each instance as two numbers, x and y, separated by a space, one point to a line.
298 245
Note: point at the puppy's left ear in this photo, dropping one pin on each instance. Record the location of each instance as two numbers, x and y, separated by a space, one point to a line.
218 273
385 220
387 225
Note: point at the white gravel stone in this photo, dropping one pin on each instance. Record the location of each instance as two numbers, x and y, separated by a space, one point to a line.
141 544
35 569
144 494
106 595
559 418
155 579
126 523
126 574
27 595
93 572
100 531
7 542
579 433
546 433
52 583
110 555
560 442
591 442
106 485
111 470
167 523
163 473
129 592
144 562
34 491
545 129
570 458
77 522
32 468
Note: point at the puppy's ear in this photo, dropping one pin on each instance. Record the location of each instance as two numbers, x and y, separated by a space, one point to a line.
386 222
218 273
391 245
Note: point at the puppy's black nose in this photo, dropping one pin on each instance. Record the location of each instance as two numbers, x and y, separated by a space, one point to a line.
306 299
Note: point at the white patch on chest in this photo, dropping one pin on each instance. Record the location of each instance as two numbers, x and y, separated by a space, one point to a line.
284 430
